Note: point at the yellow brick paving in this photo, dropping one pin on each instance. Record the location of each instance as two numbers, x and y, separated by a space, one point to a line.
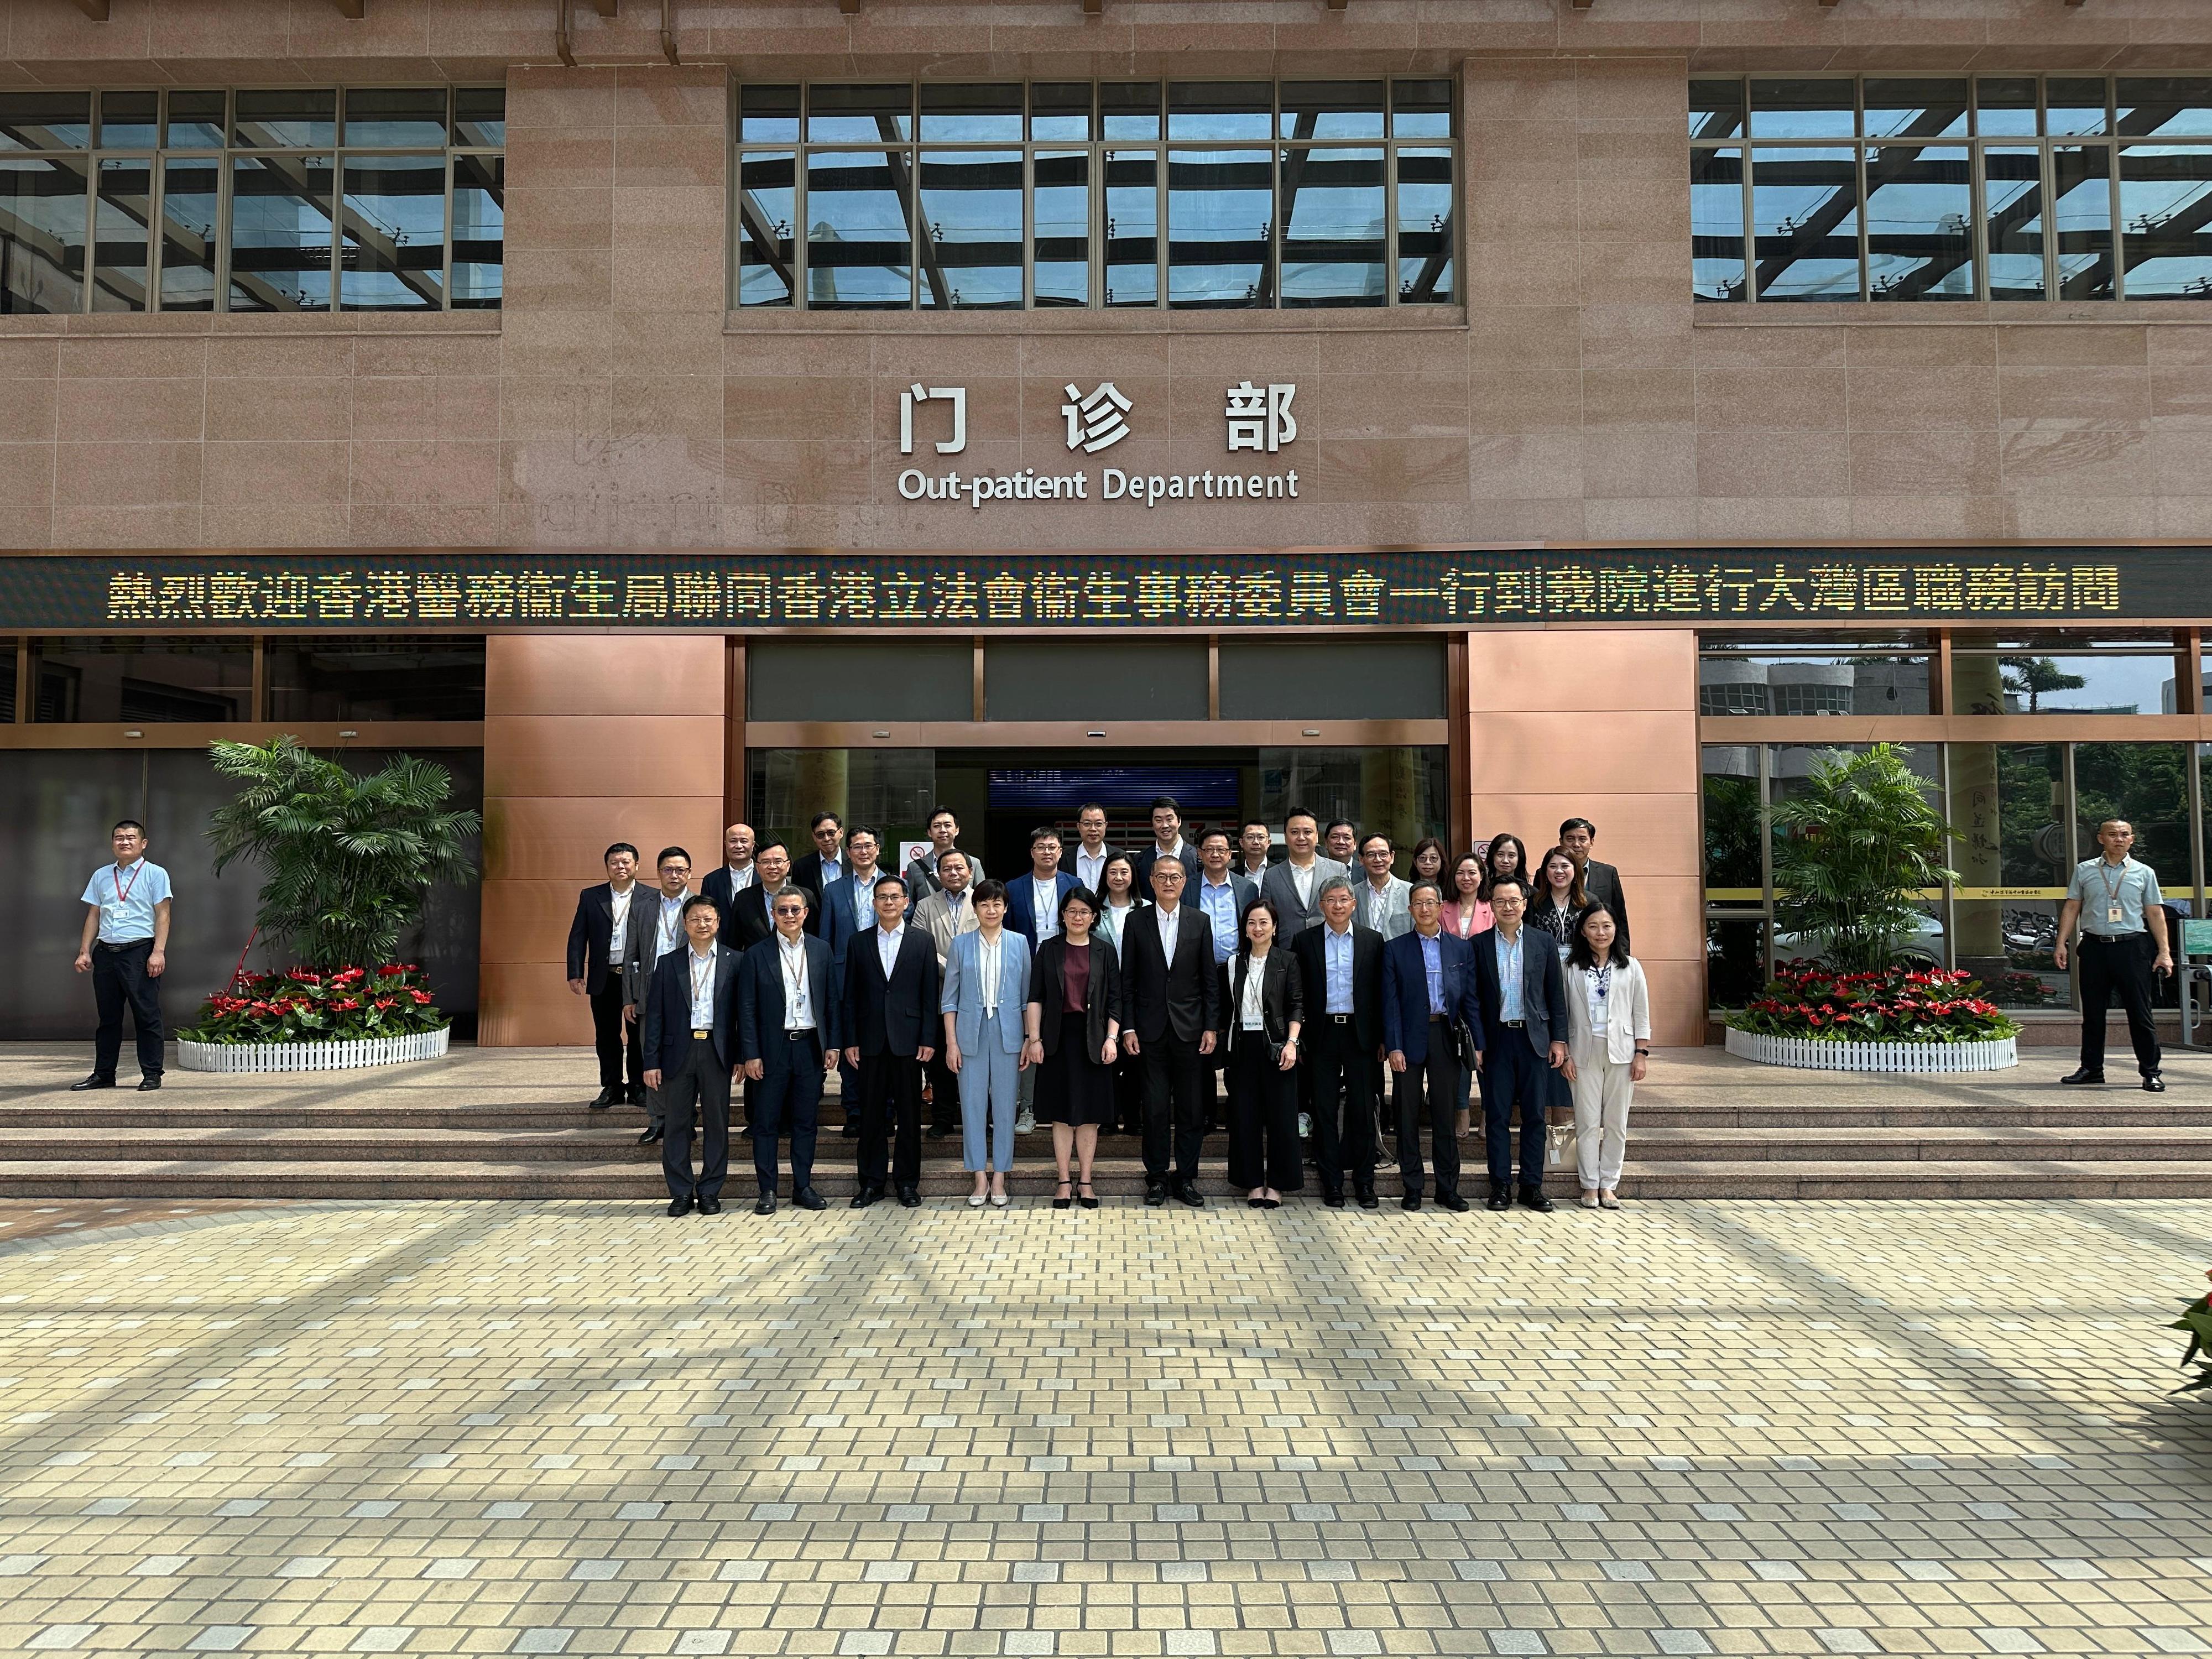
582 1428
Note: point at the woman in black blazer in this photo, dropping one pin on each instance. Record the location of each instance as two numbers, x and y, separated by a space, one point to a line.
1263 1008
1073 1026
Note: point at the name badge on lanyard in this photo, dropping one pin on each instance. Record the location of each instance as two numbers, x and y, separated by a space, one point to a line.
2113 915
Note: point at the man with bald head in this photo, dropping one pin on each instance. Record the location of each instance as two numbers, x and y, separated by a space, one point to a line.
733 875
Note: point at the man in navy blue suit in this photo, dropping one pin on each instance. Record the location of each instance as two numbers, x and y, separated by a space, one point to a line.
847 908
1428 987
690 1048
789 1030
1524 1005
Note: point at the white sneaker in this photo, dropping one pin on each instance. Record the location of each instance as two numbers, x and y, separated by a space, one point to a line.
1025 1123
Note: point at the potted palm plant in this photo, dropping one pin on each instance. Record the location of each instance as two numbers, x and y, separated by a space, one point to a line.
351 858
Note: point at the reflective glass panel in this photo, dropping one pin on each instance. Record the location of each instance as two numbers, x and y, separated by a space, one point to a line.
2165 107
1061 247
1221 225
1734 877
1333 228
1736 962
1331 109
2166 209
1716 109
291 118
1920 236
1428 237
768 115
765 250
1132 228
42 233
479 231
1716 224
859 114
121 217
392 246
2082 181
93 678
129 120
2007 801
2147 784
1061 110
1422 109
972 114
396 117
971 218
1812 684
280 233
372 678
2075 106
1803 109
859 242
189 188
1130 109
1805 211
2005 107
195 121
45 120
1914 109
480 117
1219 109
2031 683
2012 186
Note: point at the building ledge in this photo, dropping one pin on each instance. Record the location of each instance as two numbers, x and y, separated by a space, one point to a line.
1963 313
244 326
1400 319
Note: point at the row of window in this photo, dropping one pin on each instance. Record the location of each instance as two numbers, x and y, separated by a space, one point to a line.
300 199
2121 673
130 680
1943 188
1191 194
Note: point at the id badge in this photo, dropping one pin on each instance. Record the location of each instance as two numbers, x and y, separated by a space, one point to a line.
2113 915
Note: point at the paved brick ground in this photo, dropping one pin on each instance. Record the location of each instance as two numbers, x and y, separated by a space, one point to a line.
1805 1428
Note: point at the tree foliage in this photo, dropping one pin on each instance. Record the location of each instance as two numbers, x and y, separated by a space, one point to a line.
350 857
1856 845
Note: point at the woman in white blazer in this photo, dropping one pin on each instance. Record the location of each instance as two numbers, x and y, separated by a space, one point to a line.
1608 1046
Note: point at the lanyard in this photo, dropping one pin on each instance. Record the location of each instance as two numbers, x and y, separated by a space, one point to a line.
698 980
672 925
794 984
123 888
2112 886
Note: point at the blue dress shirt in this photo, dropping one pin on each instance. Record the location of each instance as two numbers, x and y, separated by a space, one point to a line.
1336 966
1432 964
1509 974
1219 901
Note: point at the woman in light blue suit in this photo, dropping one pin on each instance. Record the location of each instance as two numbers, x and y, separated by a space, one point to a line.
986 988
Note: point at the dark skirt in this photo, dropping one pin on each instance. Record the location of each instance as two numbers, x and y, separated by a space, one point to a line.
1072 1087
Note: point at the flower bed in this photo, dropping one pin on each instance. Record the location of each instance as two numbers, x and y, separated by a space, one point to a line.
302 1020
1898 1020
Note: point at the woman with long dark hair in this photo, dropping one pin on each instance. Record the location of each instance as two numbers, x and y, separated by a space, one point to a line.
1560 899
1074 1029
1608 1047
1119 901
1263 1008
1506 855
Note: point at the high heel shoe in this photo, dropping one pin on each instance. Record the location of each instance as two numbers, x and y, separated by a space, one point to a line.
1089 1200
1061 1200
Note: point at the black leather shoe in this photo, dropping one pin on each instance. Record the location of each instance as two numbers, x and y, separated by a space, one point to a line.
765 1205
1187 1193
1368 1201
608 1097
1156 1194
651 1137
1410 1202
1532 1198
148 1085
850 1131
2084 1075
938 1132
1451 1201
910 1198
1334 1201
95 1081
866 1196
807 1199
1500 1200
679 1205
2152 1084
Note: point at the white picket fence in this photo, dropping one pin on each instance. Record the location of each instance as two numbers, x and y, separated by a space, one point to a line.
311 1056
1991 1056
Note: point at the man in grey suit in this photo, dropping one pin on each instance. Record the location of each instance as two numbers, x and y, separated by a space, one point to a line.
921 874
1524 1012
1384 897
1295 883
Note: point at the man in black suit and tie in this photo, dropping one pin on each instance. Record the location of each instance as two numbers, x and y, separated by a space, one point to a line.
691 1045
1174 997
734 874
789 1034
1167 843
890 1006
1599 880
825 864
1524 1014
1341 965
609 930
746 919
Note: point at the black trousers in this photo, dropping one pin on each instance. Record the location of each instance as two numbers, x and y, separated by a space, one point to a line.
1263 1118
700 1089
1434 1086
1175 1079
943 1095
615 1037
891 1104
789 1099
2117 968
119 976
1515 1075
1343 1102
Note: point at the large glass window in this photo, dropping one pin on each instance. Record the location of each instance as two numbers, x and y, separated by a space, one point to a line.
1301 194
1938 188
1868 675
368 678
123 679
2039 674
372 199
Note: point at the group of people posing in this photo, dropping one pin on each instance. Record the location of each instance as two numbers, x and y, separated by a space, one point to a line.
1331 995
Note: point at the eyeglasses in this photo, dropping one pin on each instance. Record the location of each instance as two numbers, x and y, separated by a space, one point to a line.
791 909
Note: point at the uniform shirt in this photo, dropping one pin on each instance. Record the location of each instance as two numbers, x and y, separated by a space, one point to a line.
1433 966
2131 887
1336 968
618 928
126 894
1219 901
701 969
1045 903
1509 974
798 988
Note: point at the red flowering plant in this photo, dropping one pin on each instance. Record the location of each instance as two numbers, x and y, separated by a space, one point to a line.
302 1006
1897 1004
2197 1320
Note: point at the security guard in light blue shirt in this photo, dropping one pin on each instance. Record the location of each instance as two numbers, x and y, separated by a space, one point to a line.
2116 903
125 948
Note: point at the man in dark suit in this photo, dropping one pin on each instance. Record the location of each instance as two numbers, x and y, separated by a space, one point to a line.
848 909
1428 984
891 1011
609 929
1599 880
789 1034
734 874
1341 965
1033 898
1524 1011
690 1048
826 863
1167 842
746 919
1173 990
664 936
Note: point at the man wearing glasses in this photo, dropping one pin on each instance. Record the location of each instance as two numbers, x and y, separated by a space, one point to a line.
788 1035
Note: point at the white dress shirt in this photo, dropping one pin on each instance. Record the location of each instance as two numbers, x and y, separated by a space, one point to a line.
1304 881
887 946
740 879
1089 869
618 931
797 988
701 969
669 933
1167 920
990 955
